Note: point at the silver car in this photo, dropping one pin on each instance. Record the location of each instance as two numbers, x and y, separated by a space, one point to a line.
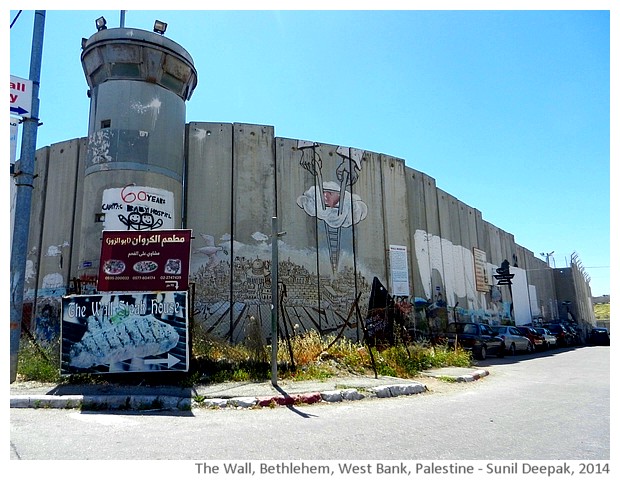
550 340
514 340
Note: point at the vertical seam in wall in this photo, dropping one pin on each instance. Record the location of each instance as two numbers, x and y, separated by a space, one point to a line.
75 198
275 178
185 175
316 242
353 242
40 239
443 271
232 229
386 259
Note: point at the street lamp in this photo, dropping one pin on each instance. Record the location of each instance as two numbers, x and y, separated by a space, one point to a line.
548 255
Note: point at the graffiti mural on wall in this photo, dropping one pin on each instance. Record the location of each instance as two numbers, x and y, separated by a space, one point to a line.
309 299
299 290
47 321
440 263
329 200
137 208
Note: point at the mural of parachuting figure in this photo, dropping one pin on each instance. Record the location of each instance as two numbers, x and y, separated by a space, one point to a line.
329 200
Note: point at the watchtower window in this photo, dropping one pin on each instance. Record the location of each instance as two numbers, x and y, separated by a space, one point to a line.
125 70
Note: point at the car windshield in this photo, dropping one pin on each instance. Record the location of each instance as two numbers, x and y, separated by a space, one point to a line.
467 328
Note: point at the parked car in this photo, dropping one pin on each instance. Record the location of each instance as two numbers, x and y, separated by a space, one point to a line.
549 339
536 338
563 336
475 337
576 336
599 336
514 340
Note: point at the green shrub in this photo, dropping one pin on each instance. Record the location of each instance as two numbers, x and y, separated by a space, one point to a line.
314 357
38 363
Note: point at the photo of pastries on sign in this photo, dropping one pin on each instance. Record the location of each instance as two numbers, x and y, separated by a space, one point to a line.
145 266
114 267
112 340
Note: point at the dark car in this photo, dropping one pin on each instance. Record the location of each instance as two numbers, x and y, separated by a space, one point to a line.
536 338
599 336
564 337
475 337
575 334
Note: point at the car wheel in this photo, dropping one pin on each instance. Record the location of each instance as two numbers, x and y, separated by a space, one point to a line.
482 354
530 348
513 349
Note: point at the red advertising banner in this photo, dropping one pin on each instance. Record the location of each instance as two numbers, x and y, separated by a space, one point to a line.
156 260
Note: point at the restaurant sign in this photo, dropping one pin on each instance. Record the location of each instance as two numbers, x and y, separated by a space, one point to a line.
115 333
156 260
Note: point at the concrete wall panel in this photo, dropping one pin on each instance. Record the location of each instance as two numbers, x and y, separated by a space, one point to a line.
56 237
37 219
396 214
371 247
419 258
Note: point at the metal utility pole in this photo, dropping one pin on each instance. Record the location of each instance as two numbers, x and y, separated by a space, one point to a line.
274 299
24 177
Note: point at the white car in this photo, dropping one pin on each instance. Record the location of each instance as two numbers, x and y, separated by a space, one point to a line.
514 340
550 340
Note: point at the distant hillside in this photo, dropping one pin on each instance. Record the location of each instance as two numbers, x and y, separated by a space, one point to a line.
601 311
601 299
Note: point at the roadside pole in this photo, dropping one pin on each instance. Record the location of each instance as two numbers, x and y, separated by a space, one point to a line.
24 177
274 301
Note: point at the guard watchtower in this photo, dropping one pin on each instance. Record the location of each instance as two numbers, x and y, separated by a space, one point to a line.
138 84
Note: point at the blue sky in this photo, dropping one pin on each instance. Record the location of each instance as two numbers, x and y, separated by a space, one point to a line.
508 110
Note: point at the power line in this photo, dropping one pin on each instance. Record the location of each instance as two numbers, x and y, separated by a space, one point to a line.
16 17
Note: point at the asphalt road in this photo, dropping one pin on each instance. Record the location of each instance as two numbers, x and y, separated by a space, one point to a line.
545 406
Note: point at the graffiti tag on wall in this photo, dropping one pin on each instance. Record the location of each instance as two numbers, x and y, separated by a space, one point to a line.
138 208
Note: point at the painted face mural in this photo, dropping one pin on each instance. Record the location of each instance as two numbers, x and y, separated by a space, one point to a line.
329 200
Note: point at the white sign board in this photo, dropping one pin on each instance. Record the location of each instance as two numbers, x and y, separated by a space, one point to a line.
21 97
138 208
399 269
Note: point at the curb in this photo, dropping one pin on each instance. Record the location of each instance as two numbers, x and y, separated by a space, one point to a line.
186 403
167 402
102 402
476 375
329 396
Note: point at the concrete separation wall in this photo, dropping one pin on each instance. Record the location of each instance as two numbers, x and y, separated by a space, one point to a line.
341 208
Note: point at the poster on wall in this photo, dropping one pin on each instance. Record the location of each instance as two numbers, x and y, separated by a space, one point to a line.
480 270
144 261
137 208
399 270
145 332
